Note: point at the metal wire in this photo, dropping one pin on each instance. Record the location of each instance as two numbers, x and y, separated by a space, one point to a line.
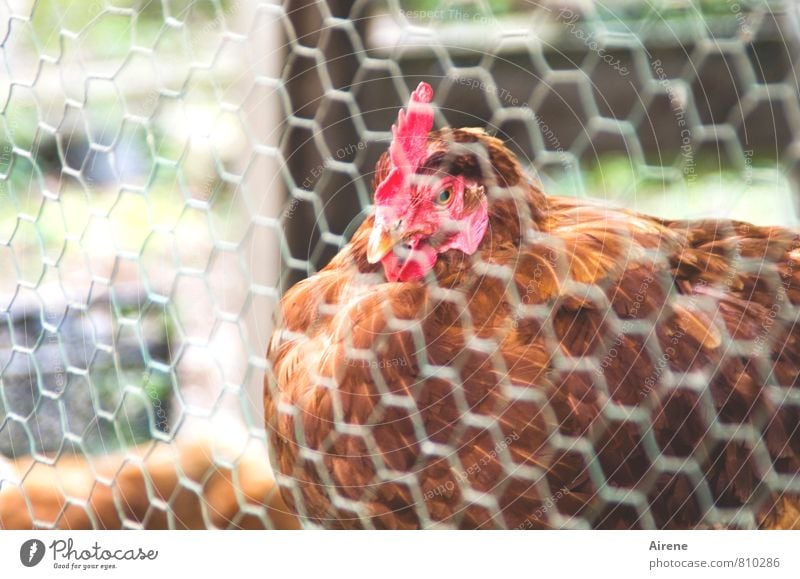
168 169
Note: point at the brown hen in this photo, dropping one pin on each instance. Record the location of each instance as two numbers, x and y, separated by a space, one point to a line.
583 366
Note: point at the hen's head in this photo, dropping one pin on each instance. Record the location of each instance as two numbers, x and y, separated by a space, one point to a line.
428 198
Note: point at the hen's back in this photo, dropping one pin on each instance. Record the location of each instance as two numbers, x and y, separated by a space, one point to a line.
612 367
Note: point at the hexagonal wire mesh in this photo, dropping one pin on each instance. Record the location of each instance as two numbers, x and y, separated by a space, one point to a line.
170 168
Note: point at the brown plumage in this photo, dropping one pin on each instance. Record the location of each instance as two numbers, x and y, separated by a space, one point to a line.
586 366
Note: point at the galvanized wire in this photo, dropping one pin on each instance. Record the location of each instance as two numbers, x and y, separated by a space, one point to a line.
168 169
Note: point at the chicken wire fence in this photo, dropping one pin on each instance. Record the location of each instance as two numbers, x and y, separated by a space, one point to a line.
169 169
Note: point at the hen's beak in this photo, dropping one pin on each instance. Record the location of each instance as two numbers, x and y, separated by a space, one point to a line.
381 242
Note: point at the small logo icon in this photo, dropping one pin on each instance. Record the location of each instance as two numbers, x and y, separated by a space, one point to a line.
32 552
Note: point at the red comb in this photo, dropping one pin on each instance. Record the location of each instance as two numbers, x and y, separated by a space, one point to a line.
409 139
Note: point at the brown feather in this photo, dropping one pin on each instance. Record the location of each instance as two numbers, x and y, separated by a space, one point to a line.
579 338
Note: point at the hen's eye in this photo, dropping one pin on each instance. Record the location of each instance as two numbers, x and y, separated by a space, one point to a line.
444 197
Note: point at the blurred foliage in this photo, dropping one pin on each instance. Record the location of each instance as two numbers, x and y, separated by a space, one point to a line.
611 10
142 401
112 26
107 29
444 10
165 208
759 192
